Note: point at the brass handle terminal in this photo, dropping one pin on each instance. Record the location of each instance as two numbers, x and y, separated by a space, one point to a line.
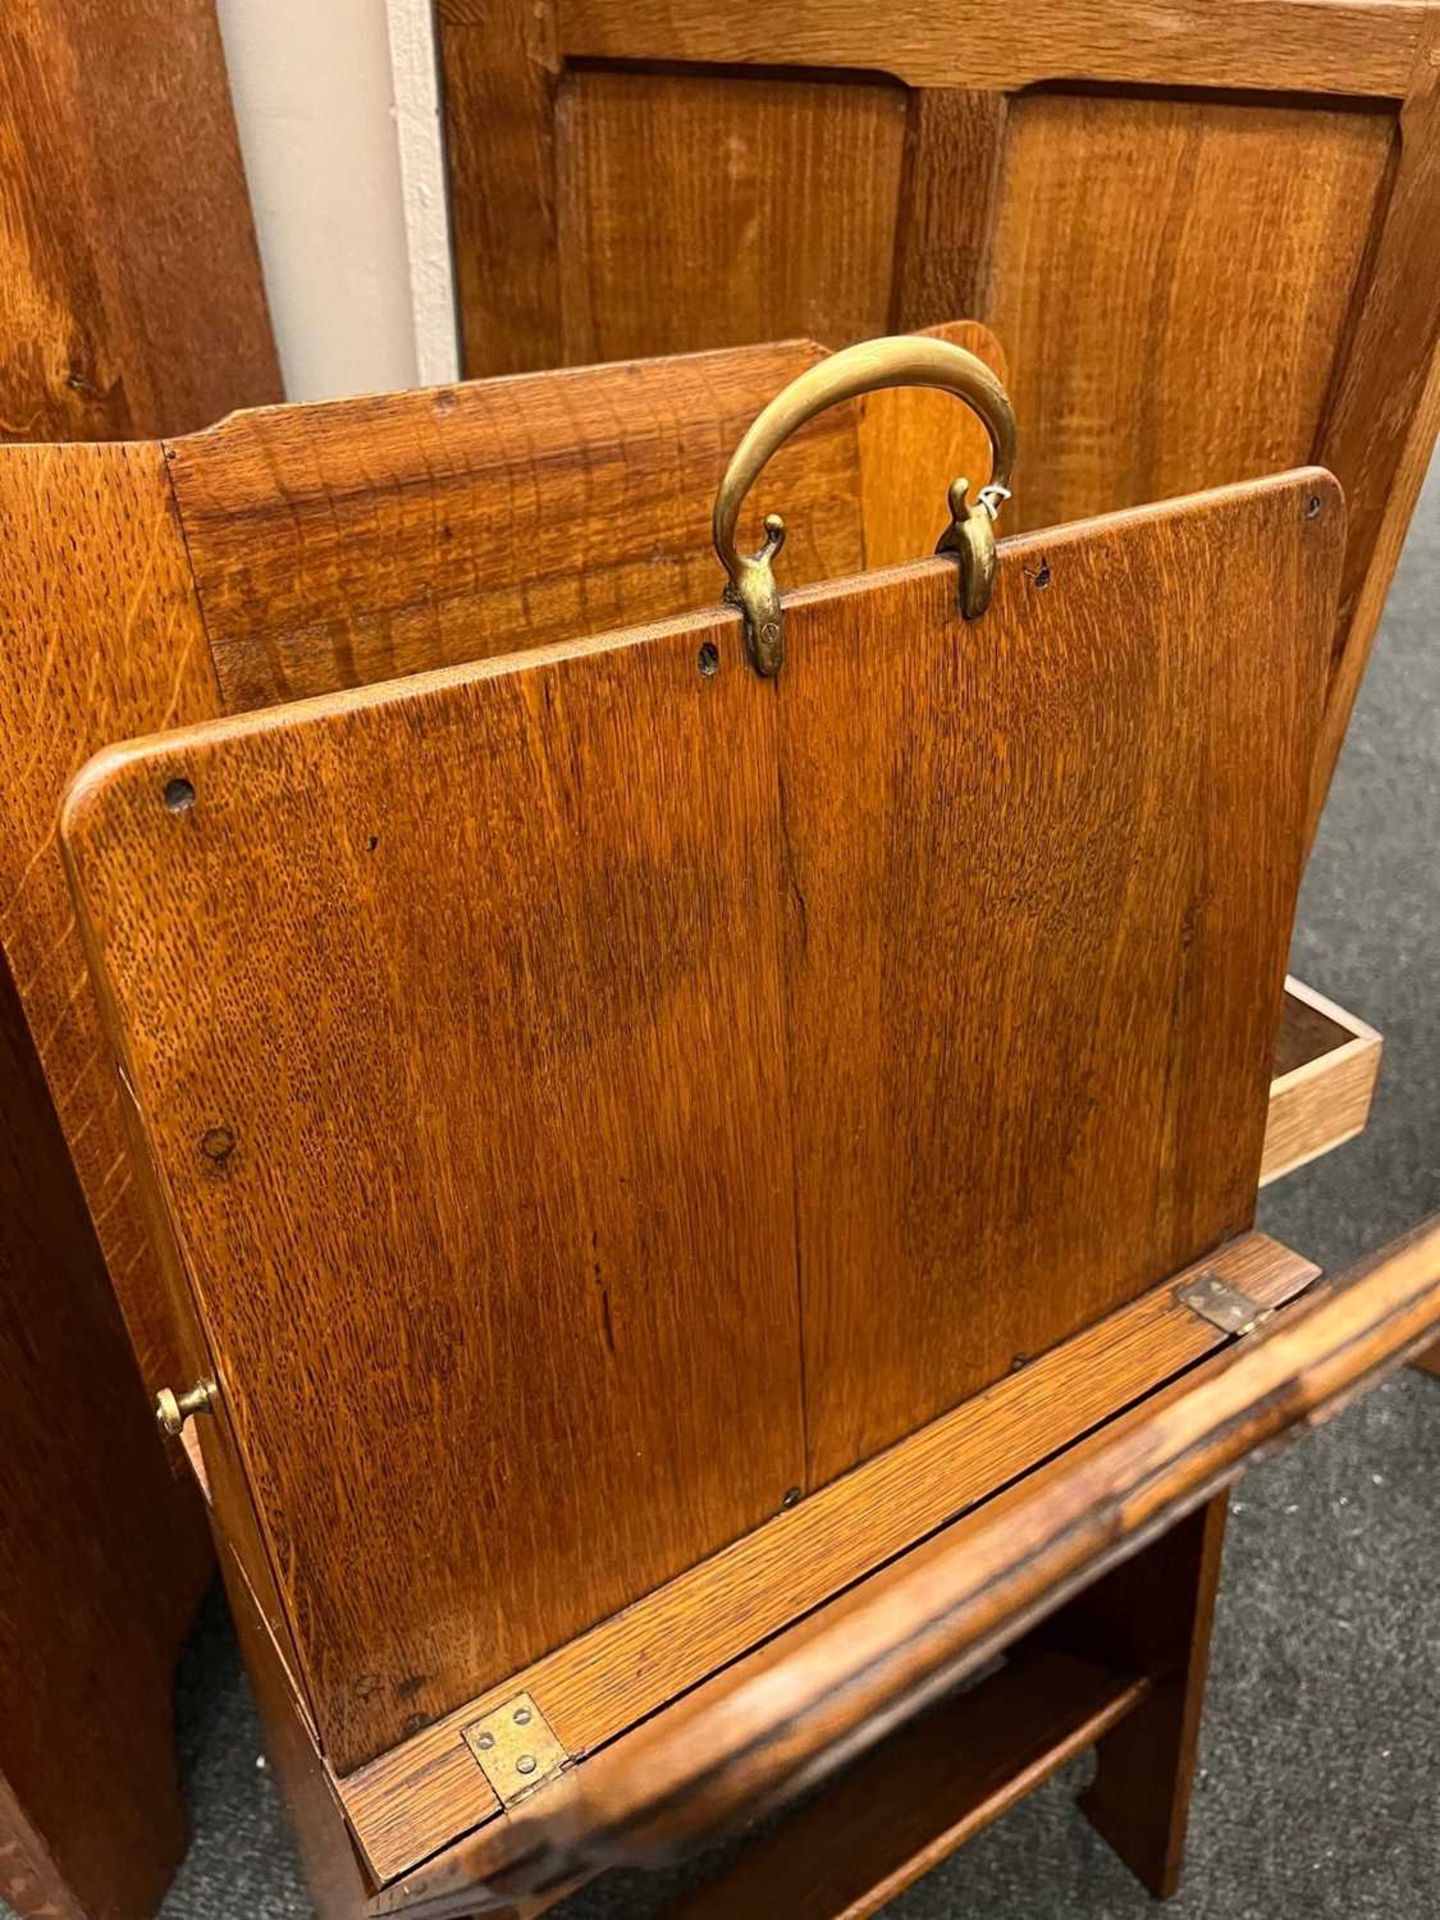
907 360
173 1410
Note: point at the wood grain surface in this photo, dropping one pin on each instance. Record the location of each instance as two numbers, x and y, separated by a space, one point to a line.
102 640
1150 258
660 173
1200 228
1327 1065
1153 1614
338 544
408 1803
572 1125
913 443
91 1819
1041 874
133 305
1380 422
1347 47
355 883
918 1796
133 298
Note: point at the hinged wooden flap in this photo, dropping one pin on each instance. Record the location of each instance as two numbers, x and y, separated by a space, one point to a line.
649 1090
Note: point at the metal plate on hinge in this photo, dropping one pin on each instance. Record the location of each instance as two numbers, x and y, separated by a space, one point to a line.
1224 1306
515 1749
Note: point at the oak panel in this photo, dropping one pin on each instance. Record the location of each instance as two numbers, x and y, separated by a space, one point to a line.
484 1186
133 305
680 197
493 981
340 544
1041 877
1148 255
103 640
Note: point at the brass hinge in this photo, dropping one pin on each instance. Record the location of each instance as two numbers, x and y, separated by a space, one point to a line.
1224 1306
516 1749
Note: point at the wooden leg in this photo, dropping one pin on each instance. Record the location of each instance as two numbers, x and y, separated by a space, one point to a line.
1153 1615
1429 1361
103 1553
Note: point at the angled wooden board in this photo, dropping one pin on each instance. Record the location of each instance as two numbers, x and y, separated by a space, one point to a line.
1041 876
510 1043
484 1187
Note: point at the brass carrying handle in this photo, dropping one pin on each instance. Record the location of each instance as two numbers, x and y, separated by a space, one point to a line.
906 360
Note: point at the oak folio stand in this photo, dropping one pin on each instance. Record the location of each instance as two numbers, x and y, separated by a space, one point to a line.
706 1176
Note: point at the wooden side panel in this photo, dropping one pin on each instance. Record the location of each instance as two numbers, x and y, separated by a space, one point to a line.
1172 281
1042 873
133 299
341 544
456 1016
716 210
1379 428
98 1572
102 639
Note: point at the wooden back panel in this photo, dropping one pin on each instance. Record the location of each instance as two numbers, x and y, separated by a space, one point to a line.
339 544
531 1055
1200 228
134 302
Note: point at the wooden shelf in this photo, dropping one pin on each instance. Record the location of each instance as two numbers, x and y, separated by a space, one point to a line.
922 1793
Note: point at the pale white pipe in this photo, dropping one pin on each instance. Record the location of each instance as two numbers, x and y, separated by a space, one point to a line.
314 101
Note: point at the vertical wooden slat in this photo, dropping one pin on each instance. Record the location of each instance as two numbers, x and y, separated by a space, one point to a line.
1380 421
499 69
714 210
1154 1614
955 145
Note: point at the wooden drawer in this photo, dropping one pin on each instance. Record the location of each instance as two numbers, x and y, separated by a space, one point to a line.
1327 1064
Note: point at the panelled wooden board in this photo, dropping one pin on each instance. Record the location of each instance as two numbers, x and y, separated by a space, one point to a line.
596 1098
1202 228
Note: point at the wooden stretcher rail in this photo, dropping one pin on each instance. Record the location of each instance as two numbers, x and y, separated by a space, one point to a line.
918 1796
837 1682
417 1797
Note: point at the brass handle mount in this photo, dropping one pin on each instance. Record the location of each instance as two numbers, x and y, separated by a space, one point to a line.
172 1410
907 360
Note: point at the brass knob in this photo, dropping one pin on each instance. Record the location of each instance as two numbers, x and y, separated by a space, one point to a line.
173 1410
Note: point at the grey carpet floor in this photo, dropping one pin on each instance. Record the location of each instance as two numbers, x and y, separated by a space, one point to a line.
1321 1756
